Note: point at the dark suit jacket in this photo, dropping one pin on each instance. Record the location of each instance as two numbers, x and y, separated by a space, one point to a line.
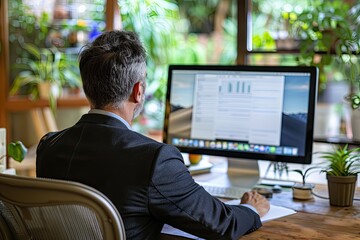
146 180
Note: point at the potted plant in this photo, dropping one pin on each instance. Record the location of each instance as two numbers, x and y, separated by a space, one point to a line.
44 73
303 190
342 167
16 150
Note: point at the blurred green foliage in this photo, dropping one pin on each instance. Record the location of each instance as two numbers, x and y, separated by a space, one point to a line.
331 29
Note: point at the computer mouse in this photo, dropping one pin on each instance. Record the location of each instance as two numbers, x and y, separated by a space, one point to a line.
276 189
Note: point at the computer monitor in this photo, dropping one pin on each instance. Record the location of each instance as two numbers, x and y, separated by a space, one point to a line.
244 113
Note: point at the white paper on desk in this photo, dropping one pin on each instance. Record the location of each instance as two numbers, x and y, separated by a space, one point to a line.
167 229
274 212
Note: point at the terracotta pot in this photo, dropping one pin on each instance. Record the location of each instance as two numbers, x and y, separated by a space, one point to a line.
341 190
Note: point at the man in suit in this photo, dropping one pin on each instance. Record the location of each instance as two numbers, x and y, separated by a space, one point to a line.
145 179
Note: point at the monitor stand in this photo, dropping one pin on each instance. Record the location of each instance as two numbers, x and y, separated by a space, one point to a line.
242 173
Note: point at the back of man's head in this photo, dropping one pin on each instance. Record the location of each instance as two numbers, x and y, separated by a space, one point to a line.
110 66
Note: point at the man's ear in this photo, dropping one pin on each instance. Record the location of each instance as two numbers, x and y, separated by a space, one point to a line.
137 94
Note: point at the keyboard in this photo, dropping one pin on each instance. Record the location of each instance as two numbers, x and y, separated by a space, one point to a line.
225 192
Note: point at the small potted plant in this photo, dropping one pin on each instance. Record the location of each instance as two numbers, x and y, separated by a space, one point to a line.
342 167
303 190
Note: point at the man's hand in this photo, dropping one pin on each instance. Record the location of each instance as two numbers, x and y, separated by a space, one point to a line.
259 202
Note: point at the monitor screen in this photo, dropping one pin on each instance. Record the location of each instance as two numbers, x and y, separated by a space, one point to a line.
248 112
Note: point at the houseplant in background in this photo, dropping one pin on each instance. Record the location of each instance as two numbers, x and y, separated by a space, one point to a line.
43 73
16 150
326 29
341 167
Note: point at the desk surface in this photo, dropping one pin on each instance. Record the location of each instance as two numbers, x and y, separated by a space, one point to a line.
315 219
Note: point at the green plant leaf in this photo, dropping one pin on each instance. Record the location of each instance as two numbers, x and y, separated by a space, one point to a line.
33 50
17 151
305 173
342 161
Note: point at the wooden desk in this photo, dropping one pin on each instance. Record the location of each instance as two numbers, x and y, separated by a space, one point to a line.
315 219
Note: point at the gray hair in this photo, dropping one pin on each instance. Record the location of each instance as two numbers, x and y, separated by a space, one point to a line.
110 66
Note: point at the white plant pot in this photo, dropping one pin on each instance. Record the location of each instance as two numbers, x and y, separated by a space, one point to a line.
47 89
303 192
355 124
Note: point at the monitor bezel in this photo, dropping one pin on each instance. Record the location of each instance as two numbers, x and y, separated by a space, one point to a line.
306 159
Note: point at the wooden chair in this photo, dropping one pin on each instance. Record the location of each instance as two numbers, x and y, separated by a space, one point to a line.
38 208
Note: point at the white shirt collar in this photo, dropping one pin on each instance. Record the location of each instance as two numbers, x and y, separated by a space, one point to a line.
103 112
